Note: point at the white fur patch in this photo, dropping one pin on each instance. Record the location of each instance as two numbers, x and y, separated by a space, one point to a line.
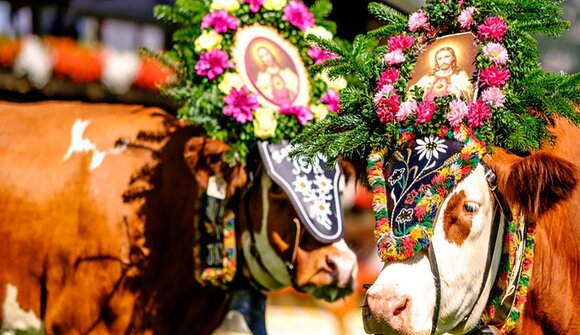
14 317
81 145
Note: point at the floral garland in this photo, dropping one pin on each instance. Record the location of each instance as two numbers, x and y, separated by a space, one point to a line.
410 110
42 59
220 97
392 248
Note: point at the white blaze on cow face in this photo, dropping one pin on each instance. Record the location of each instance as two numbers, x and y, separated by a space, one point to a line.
81 145
14 317
402 299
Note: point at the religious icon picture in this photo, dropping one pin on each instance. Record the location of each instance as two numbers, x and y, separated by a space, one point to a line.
446 66
271 67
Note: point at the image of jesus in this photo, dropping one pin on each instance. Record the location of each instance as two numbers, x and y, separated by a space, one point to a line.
276 83
446 78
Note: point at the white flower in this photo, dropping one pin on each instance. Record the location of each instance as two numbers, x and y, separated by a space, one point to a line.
324 184
430 147
230 81
34 61
320 210
120 70
319 32
274 4
319 111
337 84
302 185
208 40
228 5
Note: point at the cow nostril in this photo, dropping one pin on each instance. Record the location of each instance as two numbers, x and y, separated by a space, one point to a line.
367 286
331 264
400 306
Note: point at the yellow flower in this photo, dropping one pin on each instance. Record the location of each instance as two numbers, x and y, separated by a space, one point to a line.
337 84
208 40
320 32
274 4
230 81
319 111
228 5
264 123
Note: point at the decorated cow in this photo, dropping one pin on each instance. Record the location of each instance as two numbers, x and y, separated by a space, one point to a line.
471 152
124 219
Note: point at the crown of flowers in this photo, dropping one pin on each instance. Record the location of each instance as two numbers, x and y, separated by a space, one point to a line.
213 93
516 99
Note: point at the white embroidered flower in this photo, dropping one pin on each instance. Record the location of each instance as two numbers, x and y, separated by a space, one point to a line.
120 70
34 61
324 184
430 147
320 211
302 185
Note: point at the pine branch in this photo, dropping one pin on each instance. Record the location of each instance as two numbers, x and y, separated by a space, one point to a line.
387 14
321 9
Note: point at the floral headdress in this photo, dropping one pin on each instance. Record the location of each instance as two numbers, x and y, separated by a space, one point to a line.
219 85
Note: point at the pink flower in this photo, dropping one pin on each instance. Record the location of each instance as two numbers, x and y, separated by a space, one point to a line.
385 92
212 63
220 20
320 55
496 53
425 111
332 99
240 104
494 76
406 109
465 18
493 96
479 111
400 42
389 77
298 15
457 111
388 108
493 28
255 5
394 57
418 20
302 113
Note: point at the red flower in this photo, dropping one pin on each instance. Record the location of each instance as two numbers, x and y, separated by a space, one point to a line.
425 111
493 28
494 76
478 113
388 108
388 78
443 131
400 42
420 212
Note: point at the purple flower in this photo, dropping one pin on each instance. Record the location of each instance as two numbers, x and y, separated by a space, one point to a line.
298 15
494 76
332 99
240 104
220 20
493 28
418 20
302 113
457 111
320 55
400 42
213 63
388 77
465 18
387 108
493 96
255 5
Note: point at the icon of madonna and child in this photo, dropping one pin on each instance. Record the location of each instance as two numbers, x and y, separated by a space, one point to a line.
446 67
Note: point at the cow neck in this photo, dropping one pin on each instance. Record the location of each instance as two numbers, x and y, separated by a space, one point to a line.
267 270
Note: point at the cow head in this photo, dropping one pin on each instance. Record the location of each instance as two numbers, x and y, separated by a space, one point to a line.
278 248
402 300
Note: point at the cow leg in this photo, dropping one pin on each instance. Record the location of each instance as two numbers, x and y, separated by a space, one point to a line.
90 298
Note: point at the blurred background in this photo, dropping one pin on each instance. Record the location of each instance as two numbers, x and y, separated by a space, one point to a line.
87 50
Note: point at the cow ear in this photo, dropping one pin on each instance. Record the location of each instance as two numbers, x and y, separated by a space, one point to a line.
204 156
536 183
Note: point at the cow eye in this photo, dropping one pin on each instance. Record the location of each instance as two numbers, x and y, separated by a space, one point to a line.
471 207
275 188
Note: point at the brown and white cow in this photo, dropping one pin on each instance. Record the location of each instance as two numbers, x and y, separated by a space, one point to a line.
97 204
543 185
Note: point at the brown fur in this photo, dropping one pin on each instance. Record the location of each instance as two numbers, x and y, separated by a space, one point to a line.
544 186
456 221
